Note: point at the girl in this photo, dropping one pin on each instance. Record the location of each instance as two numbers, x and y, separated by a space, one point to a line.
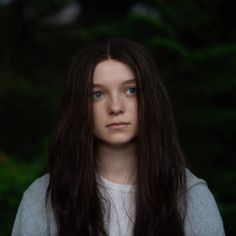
116 167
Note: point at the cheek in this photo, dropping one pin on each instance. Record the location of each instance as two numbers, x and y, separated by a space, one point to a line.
97 115
134 109
96 122
135 117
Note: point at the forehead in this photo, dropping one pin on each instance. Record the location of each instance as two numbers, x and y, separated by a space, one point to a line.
112 72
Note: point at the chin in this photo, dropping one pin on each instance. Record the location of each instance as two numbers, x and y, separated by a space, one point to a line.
117 142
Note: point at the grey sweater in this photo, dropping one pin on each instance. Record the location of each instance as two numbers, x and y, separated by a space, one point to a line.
35 219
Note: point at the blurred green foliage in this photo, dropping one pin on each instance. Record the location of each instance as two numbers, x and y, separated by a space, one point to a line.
193 43
15 175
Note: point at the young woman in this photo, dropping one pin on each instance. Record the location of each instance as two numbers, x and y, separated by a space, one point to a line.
116 167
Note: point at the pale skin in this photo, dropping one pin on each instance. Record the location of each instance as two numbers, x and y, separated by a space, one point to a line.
115 100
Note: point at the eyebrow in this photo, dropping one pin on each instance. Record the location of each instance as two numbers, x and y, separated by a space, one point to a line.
131 81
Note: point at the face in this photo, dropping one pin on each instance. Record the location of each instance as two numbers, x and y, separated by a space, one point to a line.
114 103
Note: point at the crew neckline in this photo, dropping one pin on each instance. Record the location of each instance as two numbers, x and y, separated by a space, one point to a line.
115 186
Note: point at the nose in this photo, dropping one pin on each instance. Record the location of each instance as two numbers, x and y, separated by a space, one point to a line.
115 105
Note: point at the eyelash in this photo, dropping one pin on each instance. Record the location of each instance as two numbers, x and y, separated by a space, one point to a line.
134 90
94 92
98 91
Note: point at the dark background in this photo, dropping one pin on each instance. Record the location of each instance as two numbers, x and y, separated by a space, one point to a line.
193 43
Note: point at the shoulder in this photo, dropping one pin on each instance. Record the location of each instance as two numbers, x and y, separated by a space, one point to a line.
202 217
35 196
193 180
37 190
34 215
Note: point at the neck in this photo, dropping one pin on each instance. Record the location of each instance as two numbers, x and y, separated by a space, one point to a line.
117 163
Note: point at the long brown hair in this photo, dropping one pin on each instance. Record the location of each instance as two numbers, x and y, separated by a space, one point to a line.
161 183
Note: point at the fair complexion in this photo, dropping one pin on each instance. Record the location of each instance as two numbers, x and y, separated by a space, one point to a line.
115 101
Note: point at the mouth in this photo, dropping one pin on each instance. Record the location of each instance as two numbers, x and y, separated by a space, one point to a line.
117 125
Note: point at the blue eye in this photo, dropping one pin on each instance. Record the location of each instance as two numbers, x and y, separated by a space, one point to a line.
132 90
97 94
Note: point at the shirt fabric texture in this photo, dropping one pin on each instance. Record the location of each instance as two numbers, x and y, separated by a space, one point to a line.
202 216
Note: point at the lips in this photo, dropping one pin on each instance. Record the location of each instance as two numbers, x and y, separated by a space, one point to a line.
118 125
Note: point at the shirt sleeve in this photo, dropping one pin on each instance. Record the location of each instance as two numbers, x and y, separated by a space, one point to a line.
202 217
25 224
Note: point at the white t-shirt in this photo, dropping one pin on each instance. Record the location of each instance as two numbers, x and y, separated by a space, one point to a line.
122 211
